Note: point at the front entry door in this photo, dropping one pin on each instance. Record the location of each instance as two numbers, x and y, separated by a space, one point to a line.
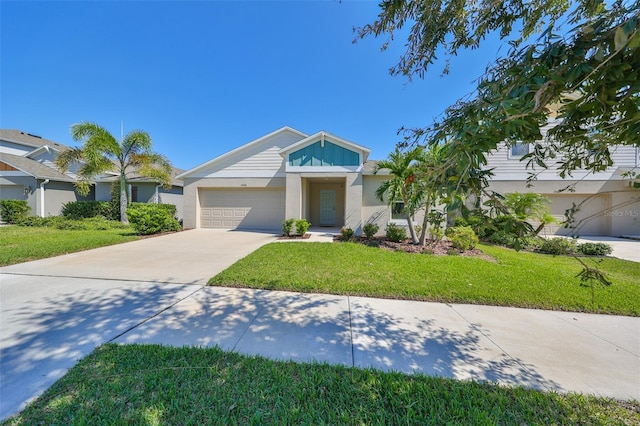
327 207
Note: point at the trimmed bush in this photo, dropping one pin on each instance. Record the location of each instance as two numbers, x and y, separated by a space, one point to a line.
13 211
558 246
462 237
395 233
347 233
302 226
370 229
595 249
97 223
149 219
287 226
87 209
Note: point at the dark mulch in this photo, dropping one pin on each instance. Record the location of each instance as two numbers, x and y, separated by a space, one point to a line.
295 237
437 248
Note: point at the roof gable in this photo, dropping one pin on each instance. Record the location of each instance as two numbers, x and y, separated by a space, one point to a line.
327 143
33 168
258 156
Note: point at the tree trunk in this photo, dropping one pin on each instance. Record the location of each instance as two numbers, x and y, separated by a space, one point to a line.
123 200
425 222
412 231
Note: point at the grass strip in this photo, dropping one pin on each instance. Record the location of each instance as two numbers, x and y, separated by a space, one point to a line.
21 244
152 384
520 279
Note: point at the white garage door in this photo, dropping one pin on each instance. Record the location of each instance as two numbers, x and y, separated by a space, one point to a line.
589 219
242 209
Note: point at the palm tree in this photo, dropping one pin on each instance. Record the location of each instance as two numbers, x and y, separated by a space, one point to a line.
433 178
402 185
101 152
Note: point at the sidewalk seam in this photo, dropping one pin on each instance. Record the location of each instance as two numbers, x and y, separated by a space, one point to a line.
152 316
235 345
353 356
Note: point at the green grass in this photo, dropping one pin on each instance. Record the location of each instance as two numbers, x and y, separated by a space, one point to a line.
520 279
21 244
149 384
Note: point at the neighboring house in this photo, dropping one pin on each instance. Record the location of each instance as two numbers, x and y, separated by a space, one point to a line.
330 182
607 202
285 174
27 172
144 190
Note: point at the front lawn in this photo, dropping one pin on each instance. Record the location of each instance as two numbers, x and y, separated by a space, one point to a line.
21 244
150 384
522 279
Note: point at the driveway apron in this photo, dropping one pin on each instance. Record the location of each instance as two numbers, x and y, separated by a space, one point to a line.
55 311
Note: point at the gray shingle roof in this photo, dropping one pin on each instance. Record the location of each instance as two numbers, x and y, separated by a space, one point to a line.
29 139
34 168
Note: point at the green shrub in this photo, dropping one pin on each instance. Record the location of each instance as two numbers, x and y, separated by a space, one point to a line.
462 237
97 223
13 211
370 229
287 226
395 233
595 249
302 226
558 246
502 238
149 219
437 233
347 233
87 209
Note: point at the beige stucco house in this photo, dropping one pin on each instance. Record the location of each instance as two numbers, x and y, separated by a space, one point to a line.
286 174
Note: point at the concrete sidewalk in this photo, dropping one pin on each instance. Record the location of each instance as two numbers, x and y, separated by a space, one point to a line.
561 351
43 335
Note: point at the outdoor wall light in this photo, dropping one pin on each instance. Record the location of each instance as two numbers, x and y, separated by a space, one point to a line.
27 190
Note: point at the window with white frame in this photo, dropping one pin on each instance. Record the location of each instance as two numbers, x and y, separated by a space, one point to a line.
519 150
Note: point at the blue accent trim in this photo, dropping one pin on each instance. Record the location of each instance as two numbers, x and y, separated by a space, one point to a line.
330 155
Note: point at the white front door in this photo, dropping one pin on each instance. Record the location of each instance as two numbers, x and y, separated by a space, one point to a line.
327 207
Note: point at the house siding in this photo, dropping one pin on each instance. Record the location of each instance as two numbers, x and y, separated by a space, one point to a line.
260 159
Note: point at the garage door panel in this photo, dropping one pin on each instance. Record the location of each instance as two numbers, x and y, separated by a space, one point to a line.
589 219
243 209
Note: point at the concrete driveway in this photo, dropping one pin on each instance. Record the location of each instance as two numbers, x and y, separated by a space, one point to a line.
55 311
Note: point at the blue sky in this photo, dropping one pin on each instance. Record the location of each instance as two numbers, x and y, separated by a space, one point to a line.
206 77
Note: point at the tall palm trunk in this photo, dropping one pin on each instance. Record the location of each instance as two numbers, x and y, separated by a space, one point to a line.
123 199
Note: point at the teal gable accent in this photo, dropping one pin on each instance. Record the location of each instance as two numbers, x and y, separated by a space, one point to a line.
330 155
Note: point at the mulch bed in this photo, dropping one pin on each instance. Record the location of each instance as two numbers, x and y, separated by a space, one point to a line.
441 248
295 237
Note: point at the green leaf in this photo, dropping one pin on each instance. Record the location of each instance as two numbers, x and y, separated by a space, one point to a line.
621 38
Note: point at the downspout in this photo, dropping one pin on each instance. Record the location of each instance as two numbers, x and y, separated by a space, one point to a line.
44 182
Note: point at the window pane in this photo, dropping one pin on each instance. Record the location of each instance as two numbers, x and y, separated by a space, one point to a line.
519 149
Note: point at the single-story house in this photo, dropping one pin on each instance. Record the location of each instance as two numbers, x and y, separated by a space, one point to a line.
330 182
321 177
28 172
